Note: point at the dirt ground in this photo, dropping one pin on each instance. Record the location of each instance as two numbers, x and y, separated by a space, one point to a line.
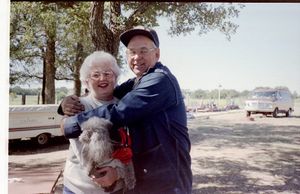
230 154
233 154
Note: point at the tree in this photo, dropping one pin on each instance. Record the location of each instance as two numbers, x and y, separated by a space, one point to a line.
200 94
61 93
109 19
75 43
50 40
26 44
295 94
230 94
245 93
50 45
33 39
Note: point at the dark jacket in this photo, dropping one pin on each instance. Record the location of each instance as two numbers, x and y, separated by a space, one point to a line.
154 111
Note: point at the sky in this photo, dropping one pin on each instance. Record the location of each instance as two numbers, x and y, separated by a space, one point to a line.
265 51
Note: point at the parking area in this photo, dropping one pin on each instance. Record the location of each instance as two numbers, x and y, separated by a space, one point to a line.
230 154
235 154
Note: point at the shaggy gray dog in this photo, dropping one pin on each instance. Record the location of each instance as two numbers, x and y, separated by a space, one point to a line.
97 151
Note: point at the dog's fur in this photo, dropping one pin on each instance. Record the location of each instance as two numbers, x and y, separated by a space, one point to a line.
98 148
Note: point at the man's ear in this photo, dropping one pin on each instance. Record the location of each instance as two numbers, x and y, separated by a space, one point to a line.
157 54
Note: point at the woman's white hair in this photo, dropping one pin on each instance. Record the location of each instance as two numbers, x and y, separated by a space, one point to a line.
96 58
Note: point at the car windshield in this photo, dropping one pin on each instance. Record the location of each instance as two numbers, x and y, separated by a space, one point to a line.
264 94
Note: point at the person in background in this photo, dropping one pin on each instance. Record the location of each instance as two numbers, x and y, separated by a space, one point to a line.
151 105
99 73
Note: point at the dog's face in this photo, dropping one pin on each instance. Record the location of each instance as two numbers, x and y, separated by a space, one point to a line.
92 125
95 139
95 124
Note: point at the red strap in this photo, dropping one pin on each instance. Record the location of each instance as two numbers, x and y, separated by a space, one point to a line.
125 138
124 153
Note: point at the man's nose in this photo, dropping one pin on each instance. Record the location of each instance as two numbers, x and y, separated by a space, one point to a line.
137 55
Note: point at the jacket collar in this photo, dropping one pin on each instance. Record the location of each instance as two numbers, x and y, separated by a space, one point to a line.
150 70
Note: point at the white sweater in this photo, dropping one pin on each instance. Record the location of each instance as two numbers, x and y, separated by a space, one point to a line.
75 175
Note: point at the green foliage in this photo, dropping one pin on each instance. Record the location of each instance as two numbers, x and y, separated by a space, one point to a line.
12 96
200 94
184 17
19 91
295 95
24 46
32 22
62 90
225 93
60 95
16 92
202 17
30 100
245 93
74 30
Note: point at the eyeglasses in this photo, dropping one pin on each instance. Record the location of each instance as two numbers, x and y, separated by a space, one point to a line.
106 74
142 51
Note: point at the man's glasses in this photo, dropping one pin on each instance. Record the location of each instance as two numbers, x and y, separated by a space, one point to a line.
105 74
141 52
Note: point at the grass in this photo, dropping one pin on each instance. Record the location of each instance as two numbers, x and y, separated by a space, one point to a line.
223 102
30 100
17 100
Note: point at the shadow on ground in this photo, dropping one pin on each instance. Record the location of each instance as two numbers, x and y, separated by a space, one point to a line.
26 147
272 167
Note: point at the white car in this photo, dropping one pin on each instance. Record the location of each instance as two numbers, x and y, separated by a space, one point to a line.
38 122
270 101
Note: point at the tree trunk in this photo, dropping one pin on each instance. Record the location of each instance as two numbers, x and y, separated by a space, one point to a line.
44 79
77 65
105 38
50 70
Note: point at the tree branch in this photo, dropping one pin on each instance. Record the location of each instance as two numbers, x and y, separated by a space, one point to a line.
130 23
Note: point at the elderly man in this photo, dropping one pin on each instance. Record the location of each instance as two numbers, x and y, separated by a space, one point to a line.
152 107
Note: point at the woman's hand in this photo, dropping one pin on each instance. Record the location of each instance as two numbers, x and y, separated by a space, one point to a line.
109 176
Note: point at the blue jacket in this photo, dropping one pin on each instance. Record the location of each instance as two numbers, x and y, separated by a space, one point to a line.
154 111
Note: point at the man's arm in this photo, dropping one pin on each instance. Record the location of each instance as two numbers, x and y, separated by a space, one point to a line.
154 94
71 104
121 90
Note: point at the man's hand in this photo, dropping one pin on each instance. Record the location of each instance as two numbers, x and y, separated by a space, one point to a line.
109 176
71 105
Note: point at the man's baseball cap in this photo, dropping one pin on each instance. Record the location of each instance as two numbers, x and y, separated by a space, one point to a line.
126 36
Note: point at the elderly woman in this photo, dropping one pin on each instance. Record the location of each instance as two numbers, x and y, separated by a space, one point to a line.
99 73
